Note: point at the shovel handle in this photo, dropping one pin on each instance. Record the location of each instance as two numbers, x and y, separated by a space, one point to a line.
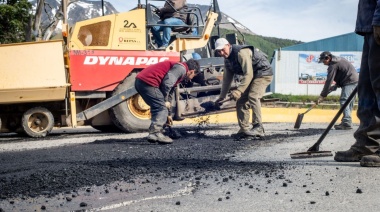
313 106
224 101
315 147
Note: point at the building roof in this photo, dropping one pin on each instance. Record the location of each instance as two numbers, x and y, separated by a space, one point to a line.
345 42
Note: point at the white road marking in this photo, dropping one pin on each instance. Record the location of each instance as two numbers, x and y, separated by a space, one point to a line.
182 192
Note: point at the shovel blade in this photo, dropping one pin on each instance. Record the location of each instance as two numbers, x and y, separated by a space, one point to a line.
297 125
310 154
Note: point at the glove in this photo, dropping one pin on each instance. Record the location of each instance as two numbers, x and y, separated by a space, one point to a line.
169 121
319 100
235 95
376 34
168 105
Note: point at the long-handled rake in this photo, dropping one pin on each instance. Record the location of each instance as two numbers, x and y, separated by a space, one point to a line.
314 150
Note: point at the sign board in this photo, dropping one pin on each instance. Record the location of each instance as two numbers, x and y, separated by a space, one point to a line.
312 72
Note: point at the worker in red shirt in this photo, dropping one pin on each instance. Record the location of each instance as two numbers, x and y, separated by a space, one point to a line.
154 84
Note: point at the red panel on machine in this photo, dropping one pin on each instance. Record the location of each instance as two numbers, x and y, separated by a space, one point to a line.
103 70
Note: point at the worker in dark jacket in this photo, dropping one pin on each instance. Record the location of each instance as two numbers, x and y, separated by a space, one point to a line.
256 74
366 148
154 84
172 13
345 76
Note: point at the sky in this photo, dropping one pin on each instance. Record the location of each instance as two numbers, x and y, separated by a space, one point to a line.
301 20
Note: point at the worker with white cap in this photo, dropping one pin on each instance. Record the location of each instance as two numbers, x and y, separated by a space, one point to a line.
255 73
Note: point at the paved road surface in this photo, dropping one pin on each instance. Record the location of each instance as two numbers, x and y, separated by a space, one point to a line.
206 170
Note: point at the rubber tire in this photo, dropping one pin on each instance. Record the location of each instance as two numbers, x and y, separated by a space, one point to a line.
121 115
25 122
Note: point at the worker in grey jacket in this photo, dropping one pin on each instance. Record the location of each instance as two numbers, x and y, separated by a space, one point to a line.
345 76
366 148
256 74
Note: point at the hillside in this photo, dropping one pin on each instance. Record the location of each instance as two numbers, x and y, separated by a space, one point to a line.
265 44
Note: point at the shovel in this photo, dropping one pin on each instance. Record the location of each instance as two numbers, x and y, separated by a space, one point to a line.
211 105
314 150
173 134
300 117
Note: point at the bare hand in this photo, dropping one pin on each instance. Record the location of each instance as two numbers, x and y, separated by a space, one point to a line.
169 121
319 100
235 95
168 105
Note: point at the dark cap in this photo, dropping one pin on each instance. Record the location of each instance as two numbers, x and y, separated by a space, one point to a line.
323 56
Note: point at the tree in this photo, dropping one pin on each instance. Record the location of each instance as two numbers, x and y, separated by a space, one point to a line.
14 18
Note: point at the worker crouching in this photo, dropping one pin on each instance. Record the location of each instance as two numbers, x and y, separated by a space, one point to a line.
155 85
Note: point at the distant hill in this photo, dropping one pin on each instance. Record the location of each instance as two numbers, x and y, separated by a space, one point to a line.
77 11
227 21
265 44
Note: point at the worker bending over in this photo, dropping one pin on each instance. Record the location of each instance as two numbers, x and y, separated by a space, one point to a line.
256 74
155 84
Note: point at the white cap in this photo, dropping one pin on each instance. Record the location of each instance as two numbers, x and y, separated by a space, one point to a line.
220 43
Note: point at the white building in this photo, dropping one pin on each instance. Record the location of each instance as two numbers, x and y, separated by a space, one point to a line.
296 68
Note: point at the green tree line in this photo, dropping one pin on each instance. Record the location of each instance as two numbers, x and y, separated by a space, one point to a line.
265 44
15 16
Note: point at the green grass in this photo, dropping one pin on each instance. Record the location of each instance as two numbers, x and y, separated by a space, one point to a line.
302 98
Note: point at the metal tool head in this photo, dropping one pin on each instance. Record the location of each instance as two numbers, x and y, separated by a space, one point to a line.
301 155
298 121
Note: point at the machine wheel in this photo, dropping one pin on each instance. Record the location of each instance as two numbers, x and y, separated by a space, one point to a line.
37 122
132 115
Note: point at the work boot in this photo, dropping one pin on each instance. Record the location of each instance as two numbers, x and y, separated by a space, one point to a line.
159 137
370 161
343 126
350 155
258 130
244 134
152 138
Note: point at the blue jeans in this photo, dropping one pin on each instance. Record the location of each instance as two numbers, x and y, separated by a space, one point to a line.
156 100
367 138
346 92
164 41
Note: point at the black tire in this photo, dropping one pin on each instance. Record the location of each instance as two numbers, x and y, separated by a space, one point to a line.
37 122
131 115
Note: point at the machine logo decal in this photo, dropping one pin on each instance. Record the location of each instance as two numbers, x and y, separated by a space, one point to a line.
108 60
129 25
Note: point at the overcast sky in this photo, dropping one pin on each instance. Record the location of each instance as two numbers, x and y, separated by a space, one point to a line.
303 20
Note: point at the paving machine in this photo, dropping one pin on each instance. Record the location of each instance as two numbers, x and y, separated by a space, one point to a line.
87 77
